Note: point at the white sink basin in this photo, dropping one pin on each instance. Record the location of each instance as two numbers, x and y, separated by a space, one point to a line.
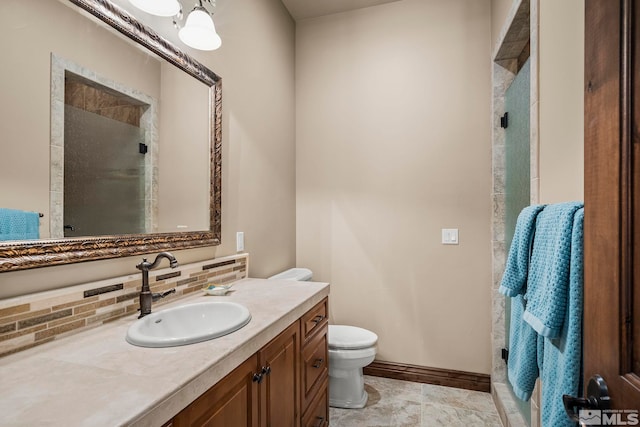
188 324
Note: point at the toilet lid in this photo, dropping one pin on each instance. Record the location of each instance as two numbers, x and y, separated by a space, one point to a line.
350 337
299 274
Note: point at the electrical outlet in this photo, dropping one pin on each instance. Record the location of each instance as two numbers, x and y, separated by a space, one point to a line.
240 241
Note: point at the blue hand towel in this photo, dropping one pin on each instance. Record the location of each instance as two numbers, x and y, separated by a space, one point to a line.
19 225
514 279
562 357
523 340
549 269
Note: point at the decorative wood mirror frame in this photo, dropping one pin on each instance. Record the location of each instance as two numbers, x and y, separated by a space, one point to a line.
43 253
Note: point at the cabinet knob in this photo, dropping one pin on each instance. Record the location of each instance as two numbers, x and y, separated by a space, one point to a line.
317 363
266 370
257 378
319 422
319 318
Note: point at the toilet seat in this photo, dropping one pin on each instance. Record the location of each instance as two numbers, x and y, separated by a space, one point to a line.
360 353
342 337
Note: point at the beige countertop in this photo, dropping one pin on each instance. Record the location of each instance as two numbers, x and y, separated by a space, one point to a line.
95 378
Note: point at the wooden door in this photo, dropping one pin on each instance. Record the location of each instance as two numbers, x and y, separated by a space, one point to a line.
280 386
612 199
232 402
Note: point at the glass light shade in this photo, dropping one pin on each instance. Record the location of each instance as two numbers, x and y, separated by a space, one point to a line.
199 32
158 7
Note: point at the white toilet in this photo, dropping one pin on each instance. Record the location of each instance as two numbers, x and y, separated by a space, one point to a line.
350 349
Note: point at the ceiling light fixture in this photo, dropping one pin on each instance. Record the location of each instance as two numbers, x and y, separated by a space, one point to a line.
198 30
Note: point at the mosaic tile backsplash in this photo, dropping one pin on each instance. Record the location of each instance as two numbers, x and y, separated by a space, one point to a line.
31 320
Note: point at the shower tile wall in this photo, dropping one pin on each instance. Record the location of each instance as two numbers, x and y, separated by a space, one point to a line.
99 101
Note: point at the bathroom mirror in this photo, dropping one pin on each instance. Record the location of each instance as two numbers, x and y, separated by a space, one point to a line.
178 131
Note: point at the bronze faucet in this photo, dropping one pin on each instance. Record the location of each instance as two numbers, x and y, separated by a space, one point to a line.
146 297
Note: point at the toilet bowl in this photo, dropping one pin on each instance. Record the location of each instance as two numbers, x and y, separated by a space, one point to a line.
350 349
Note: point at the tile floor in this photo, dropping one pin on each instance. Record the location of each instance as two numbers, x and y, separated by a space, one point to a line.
394 403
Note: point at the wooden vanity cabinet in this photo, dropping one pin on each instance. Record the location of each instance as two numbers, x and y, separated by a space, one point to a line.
276 387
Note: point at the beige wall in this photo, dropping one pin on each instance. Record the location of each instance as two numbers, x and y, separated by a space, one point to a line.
393 144
561 59
256 62
499 12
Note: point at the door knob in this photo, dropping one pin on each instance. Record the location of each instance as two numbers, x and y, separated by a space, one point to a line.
597 398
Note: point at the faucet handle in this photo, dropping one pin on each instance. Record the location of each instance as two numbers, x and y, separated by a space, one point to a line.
143 265
157 296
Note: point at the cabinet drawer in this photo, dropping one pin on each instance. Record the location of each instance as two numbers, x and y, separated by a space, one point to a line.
318 413
314 319
314 366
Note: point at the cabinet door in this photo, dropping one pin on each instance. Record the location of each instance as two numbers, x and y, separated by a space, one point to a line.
232 402
279 390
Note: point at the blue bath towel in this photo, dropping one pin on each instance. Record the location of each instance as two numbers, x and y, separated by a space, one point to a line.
514 279
525 347
523 340
19 225
561 371
548 278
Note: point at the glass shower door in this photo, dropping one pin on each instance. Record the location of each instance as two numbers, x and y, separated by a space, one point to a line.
517 174
104 176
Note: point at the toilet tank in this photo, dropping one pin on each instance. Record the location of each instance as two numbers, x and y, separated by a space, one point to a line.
300 274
